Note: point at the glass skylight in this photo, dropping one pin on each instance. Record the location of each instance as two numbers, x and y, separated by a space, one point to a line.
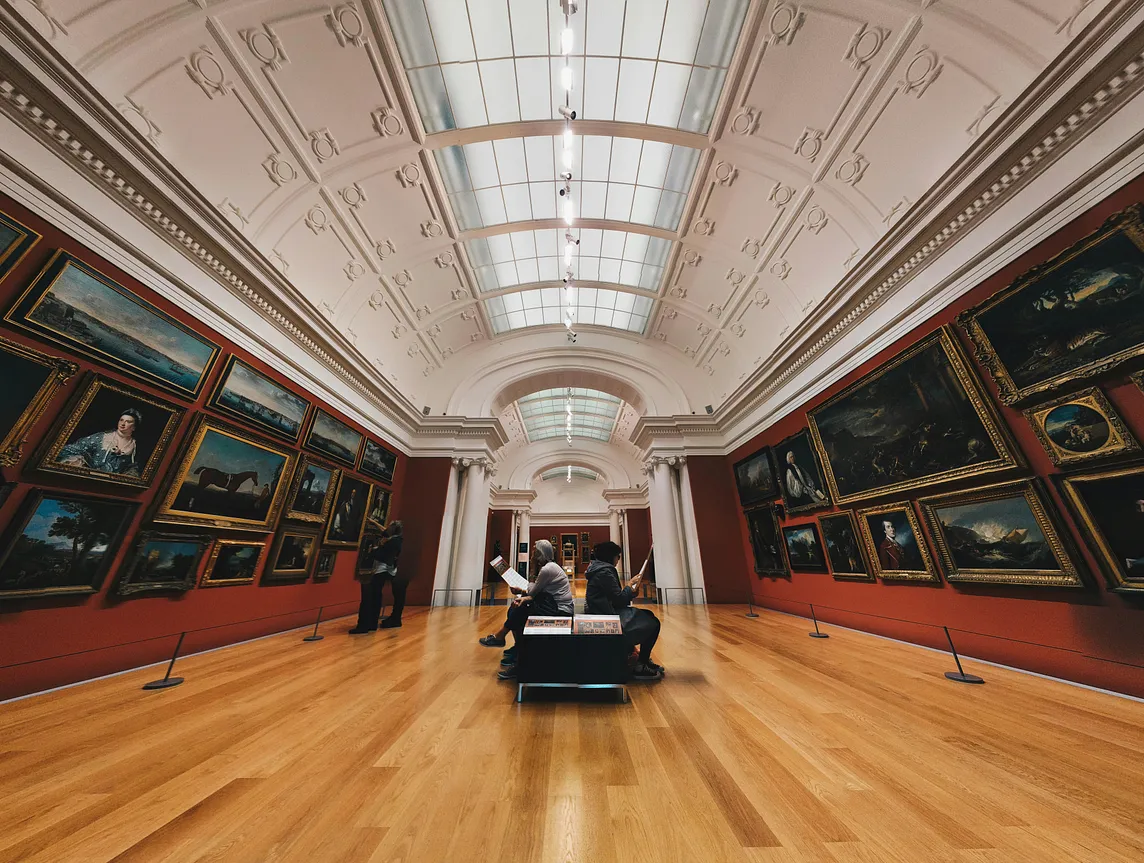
528 257
540 306
514 180
476 62
562 473
544 414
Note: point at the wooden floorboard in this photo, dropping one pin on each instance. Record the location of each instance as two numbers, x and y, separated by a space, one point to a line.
760 746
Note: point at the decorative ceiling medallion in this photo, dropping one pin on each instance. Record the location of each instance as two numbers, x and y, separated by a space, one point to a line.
816 219
403 278
852 169
738 329
761 299
867 42
353 195
745 121
323 144
385 248
316 219
432 229
408 175
444 260
266 46
704 227
780 268
691 257
735 277
354 270
279 170
387 122
725 173
785 21
751 247
780 195
347 25
809 143
922 71
208 73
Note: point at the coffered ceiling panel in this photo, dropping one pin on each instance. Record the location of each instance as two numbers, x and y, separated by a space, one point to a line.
456 331
680 330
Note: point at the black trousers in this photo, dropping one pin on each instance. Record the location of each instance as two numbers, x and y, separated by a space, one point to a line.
542 606
641 627
371 599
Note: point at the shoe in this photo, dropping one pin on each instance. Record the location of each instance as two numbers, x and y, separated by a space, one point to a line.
507 673
357 630
645 672
657 668
511 652
508 661
391 623
492 641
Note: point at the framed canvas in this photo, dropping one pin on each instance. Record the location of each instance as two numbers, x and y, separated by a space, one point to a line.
334 439
225 479
31 378
1109 506
294 555
843 548
804 548
369 542
162 561
1000 534
347 521
327 557
755 479
1080 428
312 491
918 420
800 475
377 516
16 240
1071 318
111 433
766 539
74 305
61 543
233 562
378 462
894 543
246 394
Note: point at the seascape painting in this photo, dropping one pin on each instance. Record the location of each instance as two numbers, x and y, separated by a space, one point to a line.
333 438
1081 427
15 241
842 547
917 420
61 544
763 528
73 305
378 462
800 474
348 517
1110 506
804 548
755 479
893 542
293 555
232 562
312 493
249 395
162 562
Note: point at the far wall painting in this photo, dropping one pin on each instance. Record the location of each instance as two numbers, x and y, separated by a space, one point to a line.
894 543
31 379
843 548
16 240
1109 504
250 396
804 548
378 462
755 479
233 562
1081 427
763 529
333 438
800 474
162 562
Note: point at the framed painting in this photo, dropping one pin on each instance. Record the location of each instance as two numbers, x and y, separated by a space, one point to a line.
1081 428
31 379
233 562
894 543
16 240
6 489
378 462
766 539
225 479
347 521
312 491
1000 534
800 475
162 561
250 396
112 433
804 548
1071 318
755 479
843 549
377 516
61 543
1109 505
294 555
369 542
334 439
74 305
918 420
327 557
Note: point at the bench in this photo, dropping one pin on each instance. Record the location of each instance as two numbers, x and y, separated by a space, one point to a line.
572 662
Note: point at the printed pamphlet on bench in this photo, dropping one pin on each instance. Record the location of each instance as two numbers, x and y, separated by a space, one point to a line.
548 626
597 624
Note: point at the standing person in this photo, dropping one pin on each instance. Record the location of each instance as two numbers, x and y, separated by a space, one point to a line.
606 596
383 560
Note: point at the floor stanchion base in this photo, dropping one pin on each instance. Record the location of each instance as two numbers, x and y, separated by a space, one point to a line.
962 677
163 684
751 614
313 638
818 635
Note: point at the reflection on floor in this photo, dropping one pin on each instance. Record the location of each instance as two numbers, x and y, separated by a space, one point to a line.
761 745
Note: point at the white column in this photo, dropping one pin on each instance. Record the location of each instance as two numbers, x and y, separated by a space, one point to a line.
447 543
690 531
510 552
469 564
625 536
526 538
665 529
614 526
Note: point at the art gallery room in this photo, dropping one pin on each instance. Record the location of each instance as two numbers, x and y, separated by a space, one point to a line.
572 430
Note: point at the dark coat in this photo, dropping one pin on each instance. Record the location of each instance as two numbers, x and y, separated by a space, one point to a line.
605 595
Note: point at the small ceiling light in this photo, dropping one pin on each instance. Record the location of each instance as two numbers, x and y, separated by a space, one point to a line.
566 41
566 78
569 473
569 210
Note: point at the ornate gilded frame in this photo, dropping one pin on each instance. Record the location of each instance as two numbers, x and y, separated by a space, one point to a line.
126 584
1008 455
11 255
216 549
816 454
865 575
761 512
380 477
1066 576
813 528
307 441
868 541
374 492
337 543
214 404
1118 580
1120 441
59 371
304 461
271 575
321 574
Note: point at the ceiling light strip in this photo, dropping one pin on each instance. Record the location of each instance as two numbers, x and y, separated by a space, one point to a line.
570 242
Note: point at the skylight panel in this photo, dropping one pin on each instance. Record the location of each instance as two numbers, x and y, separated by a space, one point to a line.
544 413
599 306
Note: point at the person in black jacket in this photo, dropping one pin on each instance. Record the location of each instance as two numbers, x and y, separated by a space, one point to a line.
383 561
606 596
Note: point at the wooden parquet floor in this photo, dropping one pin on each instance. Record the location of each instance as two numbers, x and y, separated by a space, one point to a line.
761 746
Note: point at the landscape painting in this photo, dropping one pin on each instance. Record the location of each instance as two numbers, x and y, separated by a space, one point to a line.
16 240
800 474
919 419
162 561
226 480
61 544
755 479
233 562
72 304
1003 534
294 554
1109 504
894 544
378 462
312 492
31 379
843 550
333 438
763 528
1081 427
252 397
1072 317
348 518
804 548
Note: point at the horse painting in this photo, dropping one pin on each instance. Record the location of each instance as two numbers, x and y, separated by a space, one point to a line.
231 482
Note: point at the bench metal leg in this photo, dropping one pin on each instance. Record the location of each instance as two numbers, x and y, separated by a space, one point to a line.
519 693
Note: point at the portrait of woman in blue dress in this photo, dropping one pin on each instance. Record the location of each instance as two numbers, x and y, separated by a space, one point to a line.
112 451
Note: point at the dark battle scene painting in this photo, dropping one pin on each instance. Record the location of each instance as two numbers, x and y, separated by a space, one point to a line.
804 549
841 543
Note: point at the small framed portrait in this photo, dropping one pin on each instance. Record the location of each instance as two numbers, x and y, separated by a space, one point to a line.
327 557
250 396
804 548
347 521
843 549
378 515
1109 507
233 562
312 491
1081 427
294 555
766 539
755 479
61 543
369 542
334 439
162 561
800 474
112 433
378 462
16 240
31 379
894 543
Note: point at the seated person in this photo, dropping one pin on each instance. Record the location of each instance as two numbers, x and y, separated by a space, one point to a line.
549 596
605 596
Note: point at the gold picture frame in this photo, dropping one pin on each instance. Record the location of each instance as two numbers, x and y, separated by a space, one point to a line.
1079 443
232 547
377 513
59 371
22 241
346 525
999 524
137 574
846 572
327 559
899 514
278 571
306 464
1106 504
261 415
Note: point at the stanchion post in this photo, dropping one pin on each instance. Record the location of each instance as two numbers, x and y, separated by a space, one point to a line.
168 681
314 635
960 676
750 605
814 617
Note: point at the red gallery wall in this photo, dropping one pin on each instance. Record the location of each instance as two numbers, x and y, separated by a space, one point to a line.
639 537
1092 635
48 642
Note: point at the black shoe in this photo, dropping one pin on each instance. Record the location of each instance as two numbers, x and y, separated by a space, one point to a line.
357 630
654 667
507 673
391 623
646 672
492 641
510 653
508 661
